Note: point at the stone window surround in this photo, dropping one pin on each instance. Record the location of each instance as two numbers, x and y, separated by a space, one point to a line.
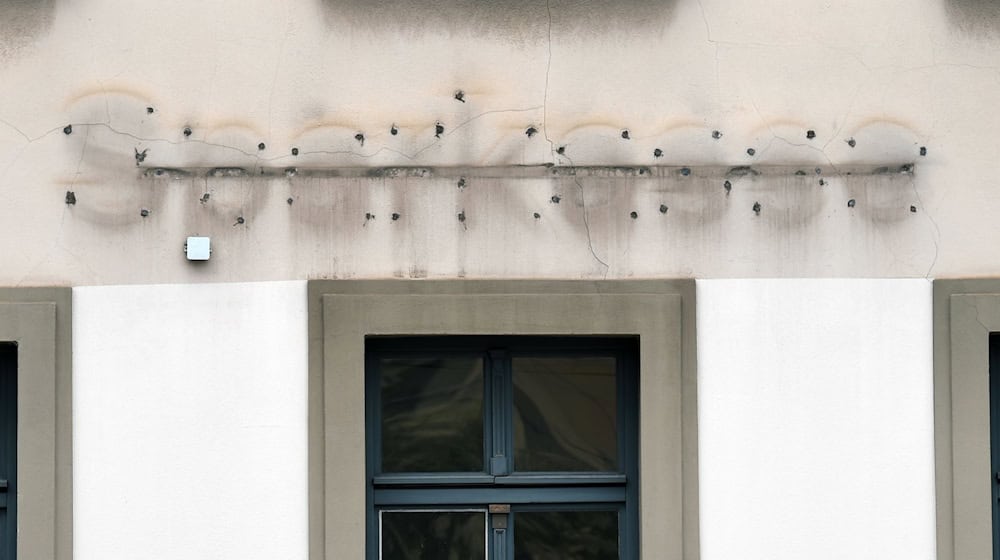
965 313
39 320
660 313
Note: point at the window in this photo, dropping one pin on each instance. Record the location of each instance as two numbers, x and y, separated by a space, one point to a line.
349 319
8 450
35 330
966 320
480 445
994 368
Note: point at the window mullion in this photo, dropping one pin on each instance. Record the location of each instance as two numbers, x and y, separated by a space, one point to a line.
501 541
500 410
499 544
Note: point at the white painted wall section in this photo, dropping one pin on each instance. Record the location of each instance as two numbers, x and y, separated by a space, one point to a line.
189 413
816 419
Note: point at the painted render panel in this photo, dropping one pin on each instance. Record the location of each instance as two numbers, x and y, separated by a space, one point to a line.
190 421
816 419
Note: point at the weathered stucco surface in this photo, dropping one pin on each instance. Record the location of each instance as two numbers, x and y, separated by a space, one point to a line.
875 82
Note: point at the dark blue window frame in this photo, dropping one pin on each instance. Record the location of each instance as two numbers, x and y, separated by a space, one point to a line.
500 482
8 450
994 374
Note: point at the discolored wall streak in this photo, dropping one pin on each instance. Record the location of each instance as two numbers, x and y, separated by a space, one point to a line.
525 20
977 17
594 222
22 22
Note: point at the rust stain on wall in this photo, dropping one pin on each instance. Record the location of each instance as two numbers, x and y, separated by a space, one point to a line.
785 124
593 127
677 124
883 121
130 92
343 127
214 127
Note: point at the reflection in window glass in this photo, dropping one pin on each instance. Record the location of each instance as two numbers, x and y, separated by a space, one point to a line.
429 535
565 414
558 535
432 414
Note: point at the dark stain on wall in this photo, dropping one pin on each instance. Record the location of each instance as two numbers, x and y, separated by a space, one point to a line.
523 20
22 22
976 17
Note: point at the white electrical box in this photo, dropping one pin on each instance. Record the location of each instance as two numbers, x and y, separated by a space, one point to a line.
198 248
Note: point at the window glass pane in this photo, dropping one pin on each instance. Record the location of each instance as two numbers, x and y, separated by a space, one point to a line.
432 414
557 535
445 535
565 414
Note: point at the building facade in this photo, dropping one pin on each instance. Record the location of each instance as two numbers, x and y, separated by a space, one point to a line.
776 219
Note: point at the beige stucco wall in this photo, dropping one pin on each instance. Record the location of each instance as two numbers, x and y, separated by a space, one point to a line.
894 76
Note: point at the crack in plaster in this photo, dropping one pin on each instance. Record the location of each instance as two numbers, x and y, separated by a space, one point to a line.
412 156
28 142
57 239
138 138
107 103
255 154
775 136
469 120
844 120
79 162
935 238
715 44
18 130
36 138
353 153
277 68
975 307
258 158
545 92
586 221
